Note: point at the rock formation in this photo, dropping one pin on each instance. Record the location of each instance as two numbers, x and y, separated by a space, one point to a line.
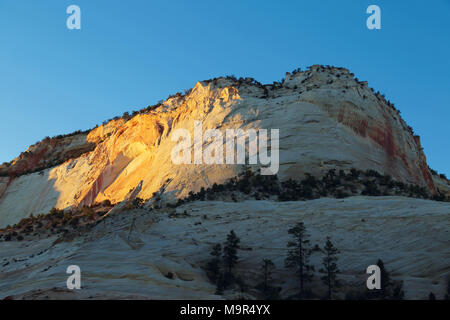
326 118
130 256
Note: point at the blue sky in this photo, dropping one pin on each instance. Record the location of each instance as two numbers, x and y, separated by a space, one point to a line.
130 54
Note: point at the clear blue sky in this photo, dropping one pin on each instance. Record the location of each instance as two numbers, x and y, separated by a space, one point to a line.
130 54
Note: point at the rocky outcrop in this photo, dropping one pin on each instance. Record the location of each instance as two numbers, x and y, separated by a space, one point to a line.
326 120
48 153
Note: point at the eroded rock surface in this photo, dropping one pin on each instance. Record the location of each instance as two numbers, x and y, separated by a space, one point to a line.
131 255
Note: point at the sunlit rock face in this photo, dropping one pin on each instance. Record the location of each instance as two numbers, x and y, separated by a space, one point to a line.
326 120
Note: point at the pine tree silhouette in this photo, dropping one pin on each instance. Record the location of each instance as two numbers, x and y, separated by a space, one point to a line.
298 255
330 267
265 286
230 251
213 266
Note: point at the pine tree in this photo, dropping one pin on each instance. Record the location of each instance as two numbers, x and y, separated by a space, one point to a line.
268 291
298 255
385 279
213 266
230 251
330 267
390 289
267 273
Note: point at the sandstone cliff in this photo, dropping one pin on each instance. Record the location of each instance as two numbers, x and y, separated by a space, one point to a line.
327 119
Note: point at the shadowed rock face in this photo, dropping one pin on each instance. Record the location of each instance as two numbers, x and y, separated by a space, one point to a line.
327 120
118 261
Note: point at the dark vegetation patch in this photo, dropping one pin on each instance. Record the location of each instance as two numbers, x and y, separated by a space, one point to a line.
55 222
58 221
336 184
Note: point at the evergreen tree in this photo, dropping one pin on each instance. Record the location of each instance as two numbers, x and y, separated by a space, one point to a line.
298 255
268 291
385 279
230 251
267 273
392 290
330 267
213 266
